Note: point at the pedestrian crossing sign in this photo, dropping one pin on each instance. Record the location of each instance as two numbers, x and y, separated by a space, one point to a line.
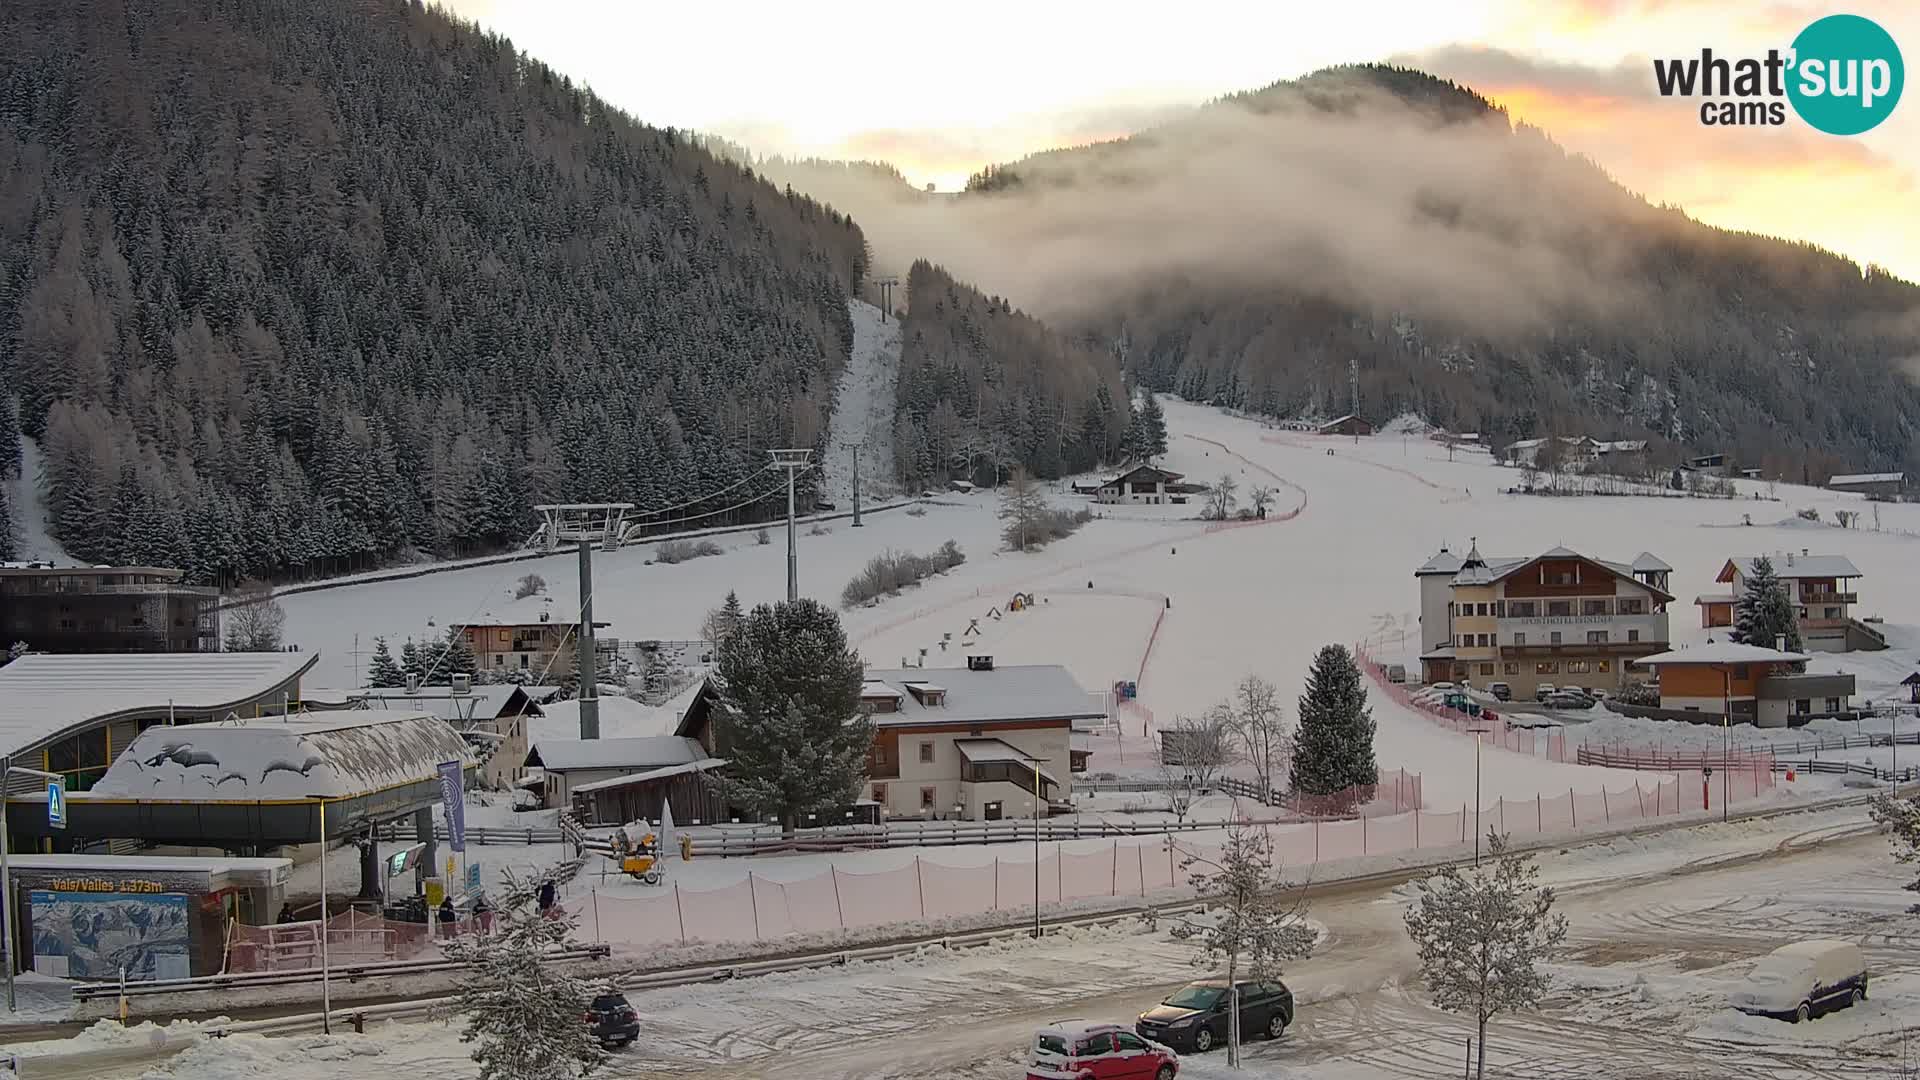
56 804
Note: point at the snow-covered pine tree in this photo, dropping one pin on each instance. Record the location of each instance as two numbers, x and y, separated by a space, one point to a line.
1481 933
1764 612
789 713
459 654
383 671
1153 423
522 1011
411 662
1333 744
1253 923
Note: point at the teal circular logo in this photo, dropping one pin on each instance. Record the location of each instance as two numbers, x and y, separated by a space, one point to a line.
1847 75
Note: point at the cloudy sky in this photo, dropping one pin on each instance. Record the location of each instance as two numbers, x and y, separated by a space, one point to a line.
942 89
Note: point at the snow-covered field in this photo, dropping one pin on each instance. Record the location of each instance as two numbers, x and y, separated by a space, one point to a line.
1256 599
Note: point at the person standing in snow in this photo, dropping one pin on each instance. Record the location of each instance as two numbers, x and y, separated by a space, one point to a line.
546 897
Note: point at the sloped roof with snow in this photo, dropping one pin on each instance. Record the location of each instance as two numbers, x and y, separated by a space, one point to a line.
1446 562
666 772
1801 566
1722 652
332 755
1647 562
998 695
1868 478
1497 569
48 696
646 752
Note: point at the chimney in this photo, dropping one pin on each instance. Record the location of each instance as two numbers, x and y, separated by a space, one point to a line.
1780 642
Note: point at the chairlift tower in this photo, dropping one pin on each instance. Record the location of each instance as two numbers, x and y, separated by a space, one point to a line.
566 524
793 461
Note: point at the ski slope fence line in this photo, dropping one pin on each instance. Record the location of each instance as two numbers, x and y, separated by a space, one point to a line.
1751 774
763 908
1269 473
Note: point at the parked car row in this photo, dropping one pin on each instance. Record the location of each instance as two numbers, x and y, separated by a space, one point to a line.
1197 1017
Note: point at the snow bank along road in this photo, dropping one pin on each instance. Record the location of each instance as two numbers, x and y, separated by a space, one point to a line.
1662 924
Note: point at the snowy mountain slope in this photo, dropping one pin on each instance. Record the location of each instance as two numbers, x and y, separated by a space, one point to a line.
1248 600
863 410
30 514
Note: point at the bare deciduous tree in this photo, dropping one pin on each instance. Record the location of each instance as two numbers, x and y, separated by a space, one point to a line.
1253 922
530 585
1193 753
1221 499
254 622
1261 497
1260 726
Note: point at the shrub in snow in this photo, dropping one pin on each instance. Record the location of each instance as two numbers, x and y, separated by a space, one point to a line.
524 1013
916 510
1482 933
890 571
530 585
679 551
762 538
819 530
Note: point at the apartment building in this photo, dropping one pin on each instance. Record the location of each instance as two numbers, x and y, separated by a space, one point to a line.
1823 593
1559 618
106 609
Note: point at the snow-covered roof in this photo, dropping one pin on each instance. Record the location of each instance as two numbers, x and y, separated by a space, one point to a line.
1868 478
45 696
1621 446
1793 567
1496 569
310 755
1722 652
872 689
702 765
647 752
484 703
1446 562
222 871
996 695
1648 563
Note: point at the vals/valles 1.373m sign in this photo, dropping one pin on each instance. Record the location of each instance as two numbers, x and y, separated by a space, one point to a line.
1843 75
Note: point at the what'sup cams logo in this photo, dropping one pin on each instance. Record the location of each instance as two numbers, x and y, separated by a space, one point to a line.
1843 75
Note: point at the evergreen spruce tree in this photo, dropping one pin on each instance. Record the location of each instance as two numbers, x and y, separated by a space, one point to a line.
459 654
1333 744
1153 423
789 716
411 662
384 671
1764 612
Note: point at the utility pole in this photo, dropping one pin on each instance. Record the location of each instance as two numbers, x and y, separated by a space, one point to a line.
1353 379
583 648
857 447
793 461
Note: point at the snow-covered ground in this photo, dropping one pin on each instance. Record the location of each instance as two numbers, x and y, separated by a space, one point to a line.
29 513
1661 927
1215 605
863 408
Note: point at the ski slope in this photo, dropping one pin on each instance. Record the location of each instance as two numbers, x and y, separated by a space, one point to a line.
1333 563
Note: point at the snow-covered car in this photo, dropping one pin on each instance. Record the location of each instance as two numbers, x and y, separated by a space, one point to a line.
1079 1050
1569 698
1801 981
1500 691
1197 1017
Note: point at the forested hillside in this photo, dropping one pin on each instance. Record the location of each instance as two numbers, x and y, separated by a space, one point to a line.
1251 250
1478 274
984 388
289 286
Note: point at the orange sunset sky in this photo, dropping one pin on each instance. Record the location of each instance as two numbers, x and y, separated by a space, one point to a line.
940 90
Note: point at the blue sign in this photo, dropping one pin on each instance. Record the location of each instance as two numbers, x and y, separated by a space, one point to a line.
453 804
56 804
473 877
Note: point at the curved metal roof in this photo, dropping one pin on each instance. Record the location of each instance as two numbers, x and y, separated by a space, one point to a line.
46 697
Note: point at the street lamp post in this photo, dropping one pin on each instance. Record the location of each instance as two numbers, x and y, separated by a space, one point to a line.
1036 849
326 970
1477 732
